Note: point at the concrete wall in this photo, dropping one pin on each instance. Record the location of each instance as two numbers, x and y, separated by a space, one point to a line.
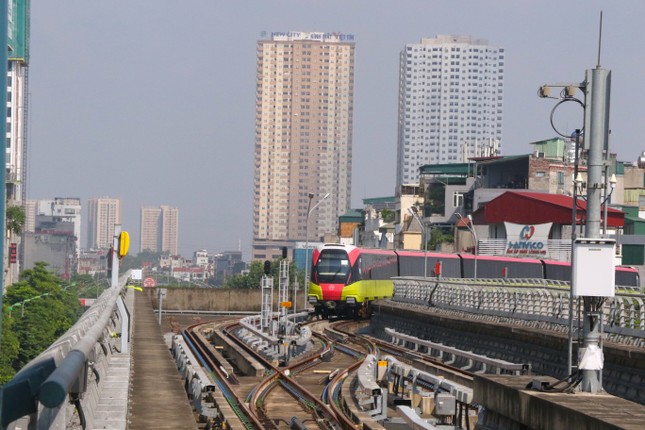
546 351
210 299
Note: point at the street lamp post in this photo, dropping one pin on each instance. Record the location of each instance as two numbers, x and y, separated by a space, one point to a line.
469 226
611 184
309 210
425 241
567 94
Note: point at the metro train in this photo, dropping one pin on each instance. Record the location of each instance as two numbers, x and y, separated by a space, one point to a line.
344 279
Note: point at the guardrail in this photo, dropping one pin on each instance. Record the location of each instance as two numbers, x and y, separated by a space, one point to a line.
529 301
60 388
484 363
369 395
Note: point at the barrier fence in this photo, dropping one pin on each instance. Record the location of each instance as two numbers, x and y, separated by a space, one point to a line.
532 302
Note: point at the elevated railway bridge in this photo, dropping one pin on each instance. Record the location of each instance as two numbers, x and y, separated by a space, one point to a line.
441 352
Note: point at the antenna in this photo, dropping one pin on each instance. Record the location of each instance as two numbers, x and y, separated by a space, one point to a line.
599 40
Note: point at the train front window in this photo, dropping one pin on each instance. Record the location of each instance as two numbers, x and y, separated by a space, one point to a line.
332 267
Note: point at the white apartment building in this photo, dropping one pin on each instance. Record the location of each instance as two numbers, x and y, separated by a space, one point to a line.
65 209
450 103
303 144
159 229
102 215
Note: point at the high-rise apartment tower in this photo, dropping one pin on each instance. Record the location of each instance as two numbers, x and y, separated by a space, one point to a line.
159 229
450 103
102 214
303 137
16 124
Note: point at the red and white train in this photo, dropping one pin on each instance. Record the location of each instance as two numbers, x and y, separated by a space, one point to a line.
344 279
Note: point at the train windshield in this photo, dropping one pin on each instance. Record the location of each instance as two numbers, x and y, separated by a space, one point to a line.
332 267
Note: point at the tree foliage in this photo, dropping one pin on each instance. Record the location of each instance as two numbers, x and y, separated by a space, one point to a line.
88 286
16 219
40 308
138 261
252 279
437 237
9 347
388 215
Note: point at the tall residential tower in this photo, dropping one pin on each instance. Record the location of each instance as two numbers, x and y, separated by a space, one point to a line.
102 214
303 137
450 103
159 229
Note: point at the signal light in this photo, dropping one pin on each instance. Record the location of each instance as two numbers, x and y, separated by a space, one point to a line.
267 267
124 243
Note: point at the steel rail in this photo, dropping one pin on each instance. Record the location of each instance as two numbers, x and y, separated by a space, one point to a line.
209 361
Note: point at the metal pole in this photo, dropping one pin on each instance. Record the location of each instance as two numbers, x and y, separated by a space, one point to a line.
295 294
309 211
574 222
305 287
160 304
476 250
598 138
471 227
605 198
425 249
425 240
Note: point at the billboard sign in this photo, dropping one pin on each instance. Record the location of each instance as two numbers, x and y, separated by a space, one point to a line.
528 240
310 36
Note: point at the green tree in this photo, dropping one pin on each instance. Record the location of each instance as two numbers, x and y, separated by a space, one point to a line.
88 286
437 237
9 347
256 270
15 219
388 215
435 199
248 280
43 309
137 261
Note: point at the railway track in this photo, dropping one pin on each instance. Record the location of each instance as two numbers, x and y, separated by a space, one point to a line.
306 393
296 396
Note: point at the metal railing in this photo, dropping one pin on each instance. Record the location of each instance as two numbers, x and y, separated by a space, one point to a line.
531 302
60 388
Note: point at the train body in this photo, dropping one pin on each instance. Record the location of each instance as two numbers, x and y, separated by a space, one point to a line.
344 279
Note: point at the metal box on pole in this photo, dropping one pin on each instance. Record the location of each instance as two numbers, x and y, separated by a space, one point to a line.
594 267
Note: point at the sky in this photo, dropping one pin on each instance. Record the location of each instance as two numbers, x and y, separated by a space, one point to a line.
153 101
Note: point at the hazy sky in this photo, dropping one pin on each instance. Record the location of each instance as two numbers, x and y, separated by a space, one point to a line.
153 101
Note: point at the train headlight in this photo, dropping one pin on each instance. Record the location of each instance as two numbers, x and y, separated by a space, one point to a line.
351 301
313 299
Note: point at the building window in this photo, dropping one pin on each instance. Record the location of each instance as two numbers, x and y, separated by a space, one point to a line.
560 178
457 199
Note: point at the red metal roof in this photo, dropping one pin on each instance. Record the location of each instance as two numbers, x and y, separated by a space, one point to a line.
527 207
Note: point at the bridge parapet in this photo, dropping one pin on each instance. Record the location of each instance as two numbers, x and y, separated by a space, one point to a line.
60 388
532 302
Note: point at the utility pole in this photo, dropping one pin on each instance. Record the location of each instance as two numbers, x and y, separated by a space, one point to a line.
592 261
597 139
